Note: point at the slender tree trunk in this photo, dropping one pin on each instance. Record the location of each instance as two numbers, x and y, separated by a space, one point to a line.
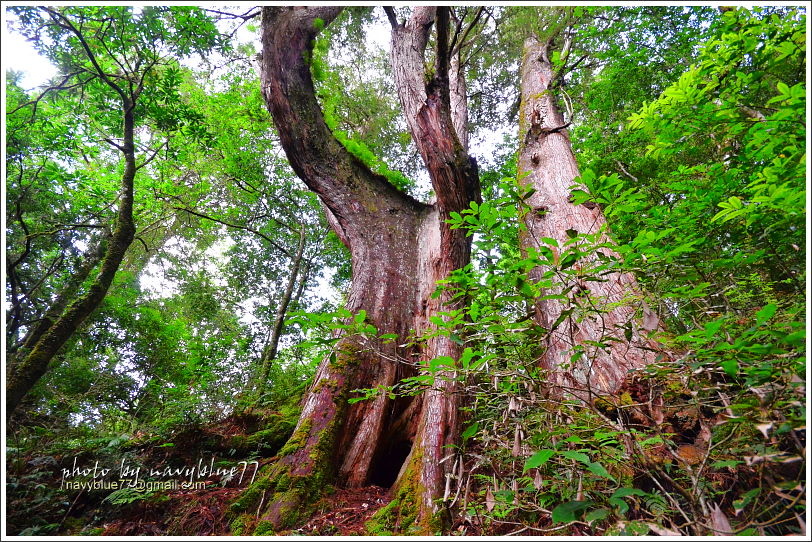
67 294
399 249
605 312
29 364
270 350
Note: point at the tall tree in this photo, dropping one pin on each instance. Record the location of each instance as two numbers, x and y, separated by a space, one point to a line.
577 313
596 332
399 247
107 55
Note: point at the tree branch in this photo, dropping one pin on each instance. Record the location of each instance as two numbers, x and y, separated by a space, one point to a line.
258 233
390 14
462 41
66 24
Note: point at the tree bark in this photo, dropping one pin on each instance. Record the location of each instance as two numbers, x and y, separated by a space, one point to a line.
30 363
399 248
604 312
436 113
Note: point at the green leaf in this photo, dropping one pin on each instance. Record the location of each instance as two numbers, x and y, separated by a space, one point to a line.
600 470
730 367
437 321
795 339
746 498
636 528
617 501
577 456
569 260
767 312
361 316
538 459
712 328
567 512
596 515
726 463
572 233
470 431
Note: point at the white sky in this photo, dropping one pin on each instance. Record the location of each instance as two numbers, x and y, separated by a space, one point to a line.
19 55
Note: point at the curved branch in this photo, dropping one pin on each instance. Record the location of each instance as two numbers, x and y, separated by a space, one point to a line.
390 14
353 193
258 233
428 110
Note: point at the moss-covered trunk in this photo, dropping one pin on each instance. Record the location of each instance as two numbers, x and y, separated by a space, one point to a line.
602 311
31 361
399 249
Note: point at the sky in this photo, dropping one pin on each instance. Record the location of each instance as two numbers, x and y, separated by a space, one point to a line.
19 55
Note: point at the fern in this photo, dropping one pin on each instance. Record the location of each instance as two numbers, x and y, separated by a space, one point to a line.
127 495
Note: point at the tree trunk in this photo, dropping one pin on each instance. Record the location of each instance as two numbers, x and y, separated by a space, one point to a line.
399 248
605 312
31 362
271 348
436 113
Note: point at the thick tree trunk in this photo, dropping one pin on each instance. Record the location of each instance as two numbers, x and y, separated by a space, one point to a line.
399 249
31 361
436 113
605 312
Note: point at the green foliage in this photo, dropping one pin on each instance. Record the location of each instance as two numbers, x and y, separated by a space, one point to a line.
126 496
691 134
728 288
361 113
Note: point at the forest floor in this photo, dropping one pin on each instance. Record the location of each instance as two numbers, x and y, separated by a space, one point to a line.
39 505
345 512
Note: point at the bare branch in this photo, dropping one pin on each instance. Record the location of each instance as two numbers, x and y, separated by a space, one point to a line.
390 14
153 155
258 233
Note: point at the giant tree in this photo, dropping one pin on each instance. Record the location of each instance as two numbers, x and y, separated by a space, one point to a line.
400 248
594 335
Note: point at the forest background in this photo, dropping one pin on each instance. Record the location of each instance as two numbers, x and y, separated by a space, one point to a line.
165 269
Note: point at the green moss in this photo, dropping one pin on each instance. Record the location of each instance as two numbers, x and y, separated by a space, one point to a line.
72 524
298 440
271 439
282 482
93 531
264 528
400 514
240 525
405 514
290 497
251 496
605 406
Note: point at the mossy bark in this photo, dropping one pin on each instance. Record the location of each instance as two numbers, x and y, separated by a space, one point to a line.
399 247
31 362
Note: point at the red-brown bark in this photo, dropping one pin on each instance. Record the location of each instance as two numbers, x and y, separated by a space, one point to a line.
399 249
601 310
438 126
